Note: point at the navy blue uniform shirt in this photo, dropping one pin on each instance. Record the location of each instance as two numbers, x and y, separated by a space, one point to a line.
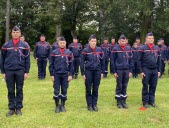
92 60
15 57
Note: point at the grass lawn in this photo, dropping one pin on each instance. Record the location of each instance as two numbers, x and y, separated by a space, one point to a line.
38 111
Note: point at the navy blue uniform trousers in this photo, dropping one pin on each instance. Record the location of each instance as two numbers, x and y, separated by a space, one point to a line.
162 67
92 83
135 69
106 65
149 85
15 80
76 63
122 82
42 62
60 85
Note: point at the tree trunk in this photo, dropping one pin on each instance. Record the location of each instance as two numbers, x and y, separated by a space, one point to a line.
58 30
7 19
144 28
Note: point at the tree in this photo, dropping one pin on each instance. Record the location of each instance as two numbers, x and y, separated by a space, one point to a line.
7 19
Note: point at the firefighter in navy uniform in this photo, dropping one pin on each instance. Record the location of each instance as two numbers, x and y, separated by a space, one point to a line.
41 54
163 52
92 70
112 45
138 42
121 67
105 46
135 53
61 71
149 66
76 49
55 45
15 64
22 38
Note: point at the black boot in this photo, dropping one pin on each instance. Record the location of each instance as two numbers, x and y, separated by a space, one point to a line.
119 105
105 75
95 108
76 76
153 105
10 113
62 107
57 110
18 112
145 105
90 108
123 102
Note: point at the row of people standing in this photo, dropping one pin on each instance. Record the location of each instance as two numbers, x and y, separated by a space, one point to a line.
121 64
16 64
42 51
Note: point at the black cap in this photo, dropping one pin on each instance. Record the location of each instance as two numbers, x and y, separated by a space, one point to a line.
149 34
61 38
122 37
16 28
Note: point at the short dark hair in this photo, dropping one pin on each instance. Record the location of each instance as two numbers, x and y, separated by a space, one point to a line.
112 38
93 36
42 35
75 38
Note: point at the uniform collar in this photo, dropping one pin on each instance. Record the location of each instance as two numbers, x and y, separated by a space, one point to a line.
92 49
75 44
122 47
113 43
15 41
42 42
105 44
61 50
150 46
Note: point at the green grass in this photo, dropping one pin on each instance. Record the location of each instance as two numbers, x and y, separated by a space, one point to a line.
38 111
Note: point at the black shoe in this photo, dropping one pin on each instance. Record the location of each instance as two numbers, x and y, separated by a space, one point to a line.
76 76
57 110
119 105
105 75
123 103
10 113
153 105
62 108
145 105
18 112
90 108
95 108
